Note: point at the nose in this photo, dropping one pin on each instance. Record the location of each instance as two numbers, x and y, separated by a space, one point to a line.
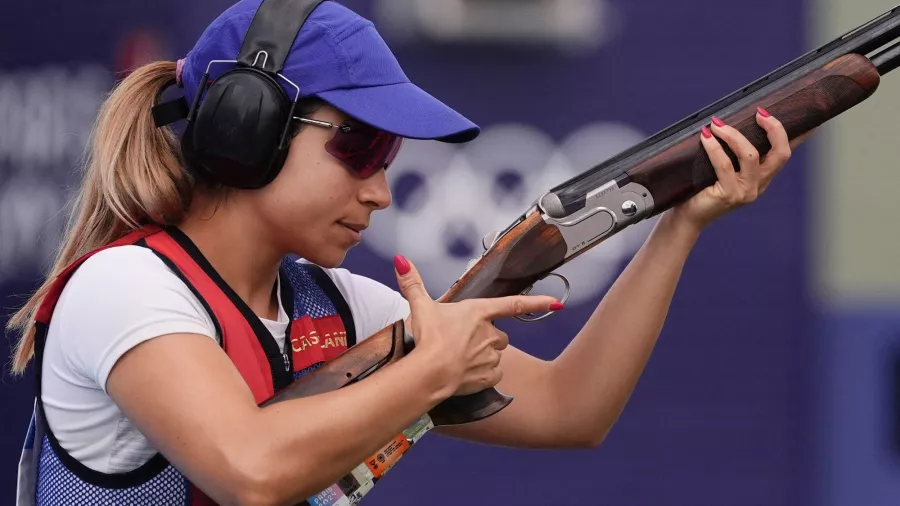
375 191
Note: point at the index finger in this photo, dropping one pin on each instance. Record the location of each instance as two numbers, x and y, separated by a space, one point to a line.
517 305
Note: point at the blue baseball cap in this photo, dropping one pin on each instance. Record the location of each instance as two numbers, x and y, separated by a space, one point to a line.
339 57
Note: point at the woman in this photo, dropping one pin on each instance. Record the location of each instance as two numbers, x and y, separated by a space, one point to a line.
170 291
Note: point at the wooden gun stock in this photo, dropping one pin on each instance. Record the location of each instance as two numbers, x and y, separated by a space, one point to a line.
385 347
371 354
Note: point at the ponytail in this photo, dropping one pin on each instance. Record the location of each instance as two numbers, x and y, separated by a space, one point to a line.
134 176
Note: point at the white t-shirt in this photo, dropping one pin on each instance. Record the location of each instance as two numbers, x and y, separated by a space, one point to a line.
122 297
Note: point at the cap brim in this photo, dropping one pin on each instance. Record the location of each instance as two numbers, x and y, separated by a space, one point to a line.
403 109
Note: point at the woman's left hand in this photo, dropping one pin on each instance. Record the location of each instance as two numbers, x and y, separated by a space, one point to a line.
732 189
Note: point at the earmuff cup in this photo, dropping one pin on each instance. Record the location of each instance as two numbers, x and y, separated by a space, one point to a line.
236 137
238 126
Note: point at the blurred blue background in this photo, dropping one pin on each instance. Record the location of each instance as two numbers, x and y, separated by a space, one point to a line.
777 378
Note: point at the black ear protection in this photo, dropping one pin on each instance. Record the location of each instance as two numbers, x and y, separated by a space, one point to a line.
238 127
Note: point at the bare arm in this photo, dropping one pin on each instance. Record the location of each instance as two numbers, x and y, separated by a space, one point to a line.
184 394
574 400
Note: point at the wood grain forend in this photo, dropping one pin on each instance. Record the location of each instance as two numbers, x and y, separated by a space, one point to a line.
802 105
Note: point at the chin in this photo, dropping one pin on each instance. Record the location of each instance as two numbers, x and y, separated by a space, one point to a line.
329 258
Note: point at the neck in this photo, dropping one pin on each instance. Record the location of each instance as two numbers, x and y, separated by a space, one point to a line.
239 251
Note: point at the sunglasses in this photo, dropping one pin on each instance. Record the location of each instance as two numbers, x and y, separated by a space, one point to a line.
363 148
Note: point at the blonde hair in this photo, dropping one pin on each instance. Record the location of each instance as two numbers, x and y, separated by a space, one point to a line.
133 176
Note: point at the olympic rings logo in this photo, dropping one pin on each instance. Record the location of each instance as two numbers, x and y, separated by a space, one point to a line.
447 197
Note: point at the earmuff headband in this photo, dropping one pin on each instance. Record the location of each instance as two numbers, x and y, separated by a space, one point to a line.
272 33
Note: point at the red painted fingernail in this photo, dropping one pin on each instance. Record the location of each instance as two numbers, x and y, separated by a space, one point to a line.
762 112
401 264
705 131
557 306
717 121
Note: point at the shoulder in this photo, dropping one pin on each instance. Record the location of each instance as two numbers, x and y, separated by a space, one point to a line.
134 261
128 271
124 278
116 299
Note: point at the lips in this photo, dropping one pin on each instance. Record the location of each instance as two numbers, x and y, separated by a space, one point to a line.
354 229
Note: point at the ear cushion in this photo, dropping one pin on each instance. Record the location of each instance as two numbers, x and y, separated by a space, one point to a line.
234 139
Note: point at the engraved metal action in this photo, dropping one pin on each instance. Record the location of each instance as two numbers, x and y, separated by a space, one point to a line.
607 210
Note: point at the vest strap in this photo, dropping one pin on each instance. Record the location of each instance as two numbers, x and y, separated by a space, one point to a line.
333 293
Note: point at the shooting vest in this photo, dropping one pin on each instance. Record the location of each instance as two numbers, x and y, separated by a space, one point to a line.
321 327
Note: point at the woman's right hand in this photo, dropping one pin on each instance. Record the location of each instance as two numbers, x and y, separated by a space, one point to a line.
460 337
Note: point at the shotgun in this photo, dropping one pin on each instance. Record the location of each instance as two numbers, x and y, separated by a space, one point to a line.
660 172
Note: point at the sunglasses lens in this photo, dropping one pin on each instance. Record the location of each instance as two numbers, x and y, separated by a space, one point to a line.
364 149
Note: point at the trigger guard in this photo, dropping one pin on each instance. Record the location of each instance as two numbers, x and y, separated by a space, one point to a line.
549 313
